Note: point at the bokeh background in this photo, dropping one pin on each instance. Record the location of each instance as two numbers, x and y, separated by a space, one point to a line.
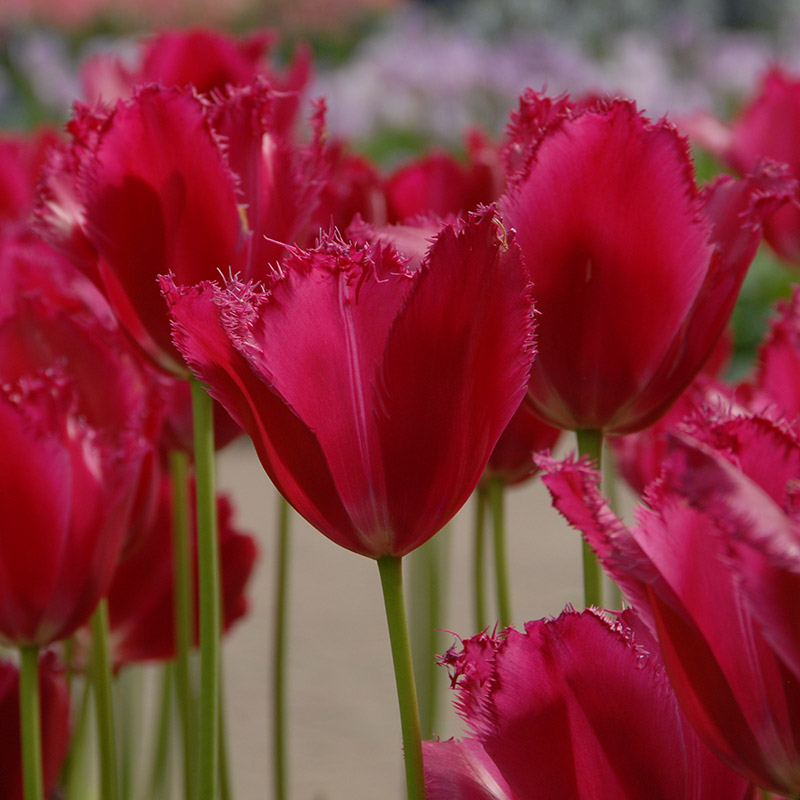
399 79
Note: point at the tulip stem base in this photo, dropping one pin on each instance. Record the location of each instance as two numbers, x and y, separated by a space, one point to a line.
590 443
209 595
184 614
502 583
30 723
391 572
279 652
104 704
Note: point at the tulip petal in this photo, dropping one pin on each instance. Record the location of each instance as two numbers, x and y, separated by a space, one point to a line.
462 771
459 352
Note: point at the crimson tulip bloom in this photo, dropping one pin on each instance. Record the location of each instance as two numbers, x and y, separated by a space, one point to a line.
71 459
374 393
712 565
767 126
146 188
575 707
141 595
202 58
635 270
55 726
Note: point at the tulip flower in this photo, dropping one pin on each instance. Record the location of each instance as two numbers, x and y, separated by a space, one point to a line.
205 59
71 459
359 391
146 188
635 270
55 725
767 126
439 184
712 567
576 707
374 391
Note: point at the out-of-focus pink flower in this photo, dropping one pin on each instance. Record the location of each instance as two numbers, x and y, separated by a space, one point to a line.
511 461
440 184
354 189
575 707
374 392
597 192
71 458
146 188
55 725
205 59
141 595
713 566
768 126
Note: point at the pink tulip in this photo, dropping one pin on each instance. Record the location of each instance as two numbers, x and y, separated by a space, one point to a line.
576 707
712 565
374 392
768 126
635 270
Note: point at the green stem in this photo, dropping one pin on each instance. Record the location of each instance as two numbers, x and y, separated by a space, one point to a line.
225 786
478 560
426 613
73 775
127 697
611 491
590 443
184 614
104 707
209 592
158 774
30 723
391 572
280 652
496 494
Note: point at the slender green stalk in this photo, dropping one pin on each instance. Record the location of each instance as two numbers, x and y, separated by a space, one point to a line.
590 443
73 774
160 763
426 601
127 698
279 653
610 490
391 572
479 560
184 616
30 723
209 591
225 786
496 498
104 706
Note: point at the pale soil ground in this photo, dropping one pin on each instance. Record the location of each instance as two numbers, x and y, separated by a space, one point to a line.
345 736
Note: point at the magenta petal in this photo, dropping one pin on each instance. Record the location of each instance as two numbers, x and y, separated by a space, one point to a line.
552 722
455 371
159 198
289 452
462 771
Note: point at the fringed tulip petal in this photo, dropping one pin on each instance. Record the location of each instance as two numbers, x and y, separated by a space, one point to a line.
712 564
159 198
635 271
374 392
544 705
